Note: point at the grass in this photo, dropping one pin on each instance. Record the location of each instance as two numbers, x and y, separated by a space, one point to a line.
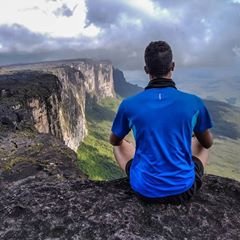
224 158
95 155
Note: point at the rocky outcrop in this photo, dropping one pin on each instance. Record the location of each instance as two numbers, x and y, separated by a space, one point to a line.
59 109
80 209
30 99
26 154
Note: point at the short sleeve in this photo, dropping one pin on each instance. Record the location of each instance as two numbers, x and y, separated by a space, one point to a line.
120 125
204 121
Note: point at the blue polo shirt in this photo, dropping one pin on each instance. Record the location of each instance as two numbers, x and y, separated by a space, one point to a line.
162 121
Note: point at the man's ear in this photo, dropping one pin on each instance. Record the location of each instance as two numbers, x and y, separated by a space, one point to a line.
146 70
173 66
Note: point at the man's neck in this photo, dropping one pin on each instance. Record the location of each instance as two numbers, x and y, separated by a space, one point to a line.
167 76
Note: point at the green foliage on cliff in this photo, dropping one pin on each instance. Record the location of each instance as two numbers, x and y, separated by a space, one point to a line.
95 153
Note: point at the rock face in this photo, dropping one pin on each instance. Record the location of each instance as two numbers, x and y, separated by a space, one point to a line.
78 209
122 87
30 99
53 99
98 76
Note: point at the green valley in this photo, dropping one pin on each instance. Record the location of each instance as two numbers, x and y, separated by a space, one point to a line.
95 153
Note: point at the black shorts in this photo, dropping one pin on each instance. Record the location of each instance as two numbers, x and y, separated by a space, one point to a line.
180 198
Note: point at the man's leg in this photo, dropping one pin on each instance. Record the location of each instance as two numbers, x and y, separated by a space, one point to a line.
199 151
124 153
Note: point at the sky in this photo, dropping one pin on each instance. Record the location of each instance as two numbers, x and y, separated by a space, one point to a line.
201 33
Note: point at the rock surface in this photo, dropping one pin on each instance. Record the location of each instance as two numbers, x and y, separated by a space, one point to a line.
78 209
27 153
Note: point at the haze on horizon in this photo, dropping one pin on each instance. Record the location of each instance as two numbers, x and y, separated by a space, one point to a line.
201 33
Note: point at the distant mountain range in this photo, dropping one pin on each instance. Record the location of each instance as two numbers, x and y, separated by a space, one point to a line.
220 84
226 117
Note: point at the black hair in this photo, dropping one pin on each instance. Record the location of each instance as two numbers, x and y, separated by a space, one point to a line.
158 58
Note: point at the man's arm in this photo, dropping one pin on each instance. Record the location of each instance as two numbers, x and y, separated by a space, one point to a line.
115 140
120 126
205 138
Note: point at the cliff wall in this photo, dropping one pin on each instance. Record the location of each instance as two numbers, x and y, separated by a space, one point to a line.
62 111
30 99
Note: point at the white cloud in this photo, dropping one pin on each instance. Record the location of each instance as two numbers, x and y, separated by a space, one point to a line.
207 35
236 50
39 16
145 6
153 10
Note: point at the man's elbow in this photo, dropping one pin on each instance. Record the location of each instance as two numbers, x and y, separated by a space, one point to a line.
208 144
209 141
114 140
205 139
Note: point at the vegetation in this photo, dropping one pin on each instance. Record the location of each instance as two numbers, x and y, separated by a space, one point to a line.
95 153
224 158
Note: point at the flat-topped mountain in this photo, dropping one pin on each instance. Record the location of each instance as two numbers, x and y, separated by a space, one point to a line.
58 110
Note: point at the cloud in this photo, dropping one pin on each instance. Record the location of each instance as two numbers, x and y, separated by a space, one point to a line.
14 38
64 10
201 33
55 18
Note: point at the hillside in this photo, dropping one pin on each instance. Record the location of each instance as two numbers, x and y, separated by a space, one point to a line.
95 153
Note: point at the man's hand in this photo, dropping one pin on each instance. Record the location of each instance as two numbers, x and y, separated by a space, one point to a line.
205 138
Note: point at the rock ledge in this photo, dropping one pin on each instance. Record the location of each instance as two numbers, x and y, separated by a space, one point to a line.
82 209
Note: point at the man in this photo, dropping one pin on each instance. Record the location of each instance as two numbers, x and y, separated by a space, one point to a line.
167 163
